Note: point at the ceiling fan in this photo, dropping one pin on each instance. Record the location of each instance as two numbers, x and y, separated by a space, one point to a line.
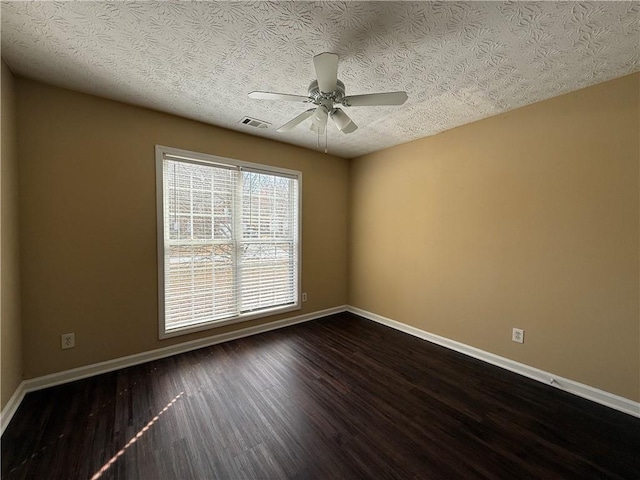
325 93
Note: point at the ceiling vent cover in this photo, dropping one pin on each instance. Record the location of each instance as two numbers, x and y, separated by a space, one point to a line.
253 122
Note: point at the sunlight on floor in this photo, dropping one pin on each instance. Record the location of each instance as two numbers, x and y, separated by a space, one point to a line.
142 431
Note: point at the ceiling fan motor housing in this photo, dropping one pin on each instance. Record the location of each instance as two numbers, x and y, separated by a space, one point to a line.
326 99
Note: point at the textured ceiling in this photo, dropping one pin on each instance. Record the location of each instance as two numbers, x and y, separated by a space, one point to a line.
458 62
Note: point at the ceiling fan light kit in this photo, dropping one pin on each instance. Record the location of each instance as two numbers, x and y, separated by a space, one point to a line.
342 121
325 93
319 117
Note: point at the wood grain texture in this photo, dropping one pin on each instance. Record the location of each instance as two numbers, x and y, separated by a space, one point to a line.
338 398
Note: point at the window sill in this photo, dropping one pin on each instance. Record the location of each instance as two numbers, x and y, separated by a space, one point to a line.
176 332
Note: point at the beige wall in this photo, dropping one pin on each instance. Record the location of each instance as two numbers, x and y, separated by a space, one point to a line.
10 322
529 219
88 222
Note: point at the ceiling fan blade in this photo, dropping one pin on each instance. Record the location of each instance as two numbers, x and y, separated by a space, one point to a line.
326 71
296 120
278 96
342 121
372 99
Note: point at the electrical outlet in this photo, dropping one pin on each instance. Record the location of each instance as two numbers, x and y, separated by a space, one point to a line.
304 297
518 335
68 340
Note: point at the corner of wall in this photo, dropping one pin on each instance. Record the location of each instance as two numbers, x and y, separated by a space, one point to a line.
10 304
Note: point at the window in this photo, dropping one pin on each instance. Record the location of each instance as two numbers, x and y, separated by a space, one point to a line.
228 240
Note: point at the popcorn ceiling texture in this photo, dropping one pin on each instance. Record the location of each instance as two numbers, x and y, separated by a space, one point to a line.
458 61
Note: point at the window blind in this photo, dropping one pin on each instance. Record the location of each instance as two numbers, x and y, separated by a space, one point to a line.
230 241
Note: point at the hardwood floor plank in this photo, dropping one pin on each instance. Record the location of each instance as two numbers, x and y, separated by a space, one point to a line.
339 398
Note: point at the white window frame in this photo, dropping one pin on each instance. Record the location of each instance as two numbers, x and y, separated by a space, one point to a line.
205 159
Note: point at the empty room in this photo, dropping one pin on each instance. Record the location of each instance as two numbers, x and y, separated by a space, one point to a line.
320 240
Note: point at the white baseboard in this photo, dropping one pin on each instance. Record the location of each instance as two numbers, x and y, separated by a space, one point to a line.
580 389
12 405
79 373
585 391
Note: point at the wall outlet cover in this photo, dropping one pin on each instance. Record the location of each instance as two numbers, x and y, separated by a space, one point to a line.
67 340
517 335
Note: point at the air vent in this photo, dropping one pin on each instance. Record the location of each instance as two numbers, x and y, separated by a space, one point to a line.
252 122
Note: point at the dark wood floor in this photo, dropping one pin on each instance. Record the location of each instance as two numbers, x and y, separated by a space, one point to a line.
340 397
